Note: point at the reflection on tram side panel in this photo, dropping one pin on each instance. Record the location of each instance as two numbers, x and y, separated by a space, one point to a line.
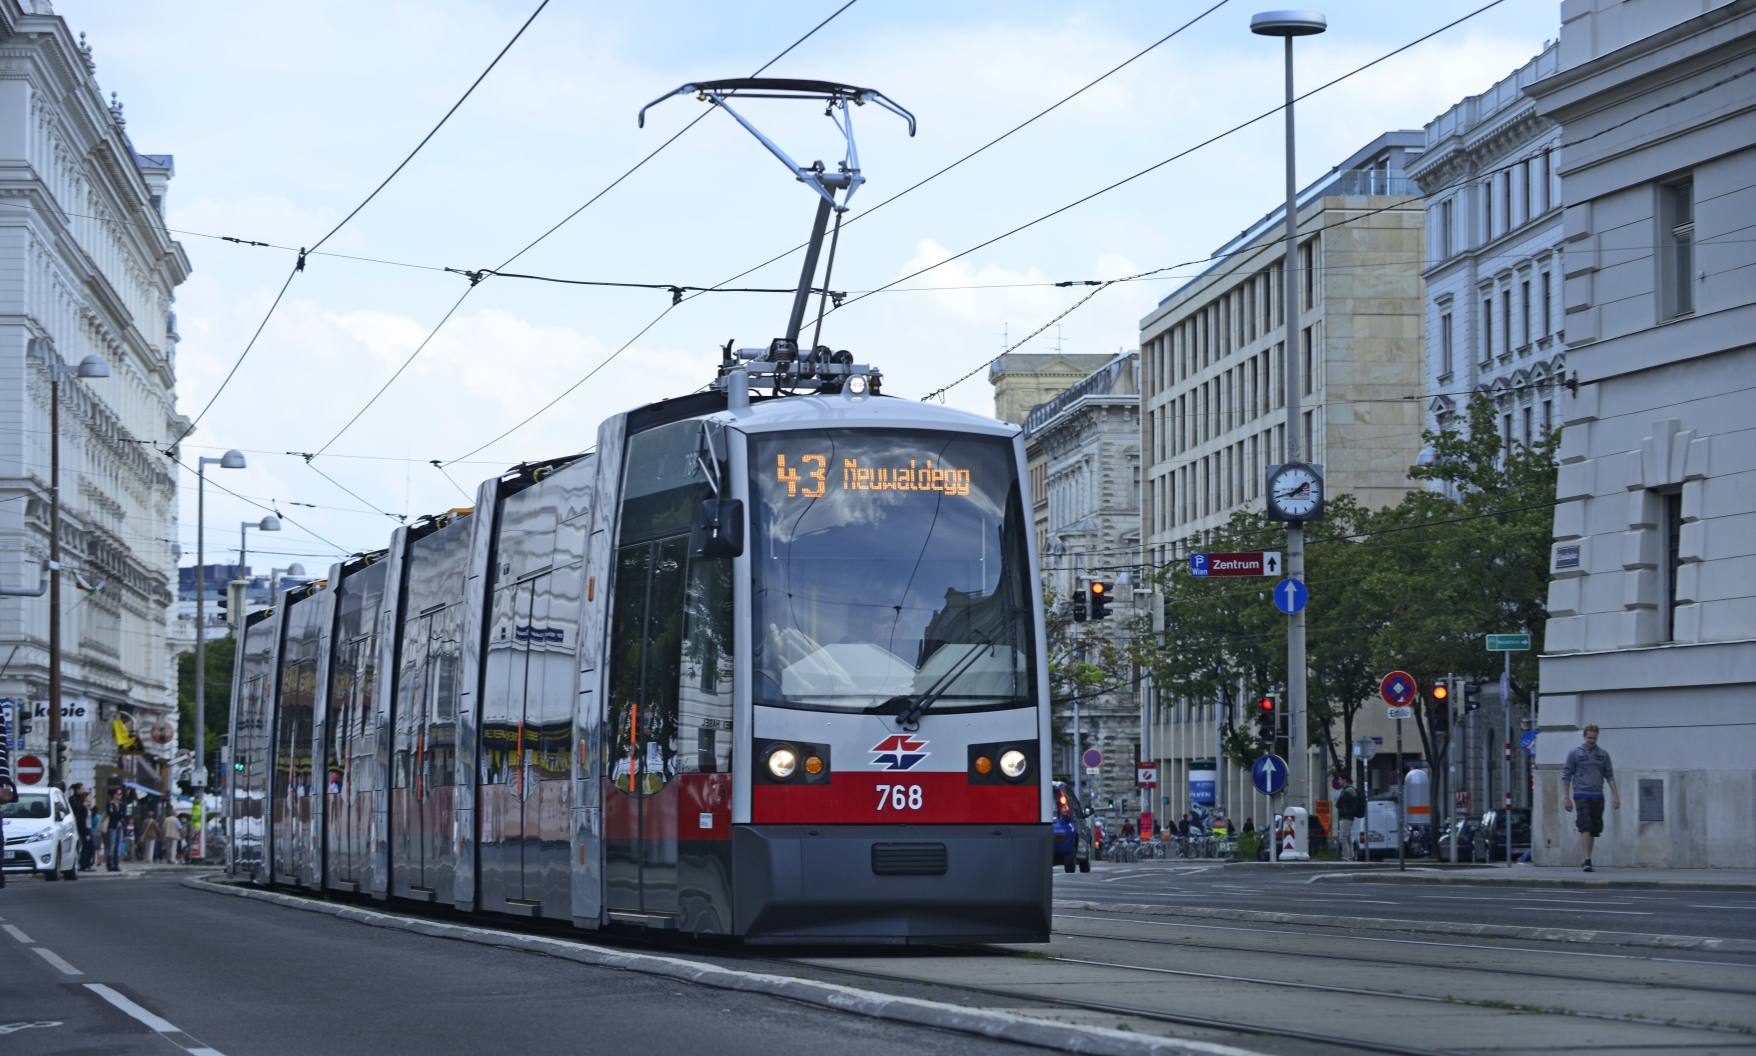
767 668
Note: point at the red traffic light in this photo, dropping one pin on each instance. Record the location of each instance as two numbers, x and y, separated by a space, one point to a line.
1441 692
1266 703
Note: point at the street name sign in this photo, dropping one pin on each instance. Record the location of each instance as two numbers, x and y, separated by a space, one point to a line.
1395 712
1508 643
1290 596
1269 775
1398 689
1146 775
1247 563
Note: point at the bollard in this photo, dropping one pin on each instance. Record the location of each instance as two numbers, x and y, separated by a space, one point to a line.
1295 834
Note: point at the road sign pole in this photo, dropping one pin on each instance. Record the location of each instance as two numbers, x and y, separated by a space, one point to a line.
1401 803
1078 763
1506 710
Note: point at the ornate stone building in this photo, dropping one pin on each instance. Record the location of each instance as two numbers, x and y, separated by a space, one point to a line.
1089 439
88 269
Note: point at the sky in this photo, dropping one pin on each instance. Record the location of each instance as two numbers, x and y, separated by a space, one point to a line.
283 117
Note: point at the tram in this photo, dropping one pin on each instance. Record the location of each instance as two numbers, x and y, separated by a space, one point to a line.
767 661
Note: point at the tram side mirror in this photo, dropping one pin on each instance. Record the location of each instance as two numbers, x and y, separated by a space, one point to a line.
719 529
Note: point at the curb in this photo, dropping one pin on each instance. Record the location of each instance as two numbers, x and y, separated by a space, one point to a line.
1518 879
1429 927
1002 1026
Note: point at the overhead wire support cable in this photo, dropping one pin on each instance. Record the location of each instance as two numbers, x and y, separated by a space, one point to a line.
425 139
475 281
1174 157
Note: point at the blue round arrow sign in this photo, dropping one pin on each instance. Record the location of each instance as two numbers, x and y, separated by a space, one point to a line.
1269 775
1290 596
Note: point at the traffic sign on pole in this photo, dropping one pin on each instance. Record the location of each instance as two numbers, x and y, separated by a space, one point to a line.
1269 775
1093 758
1290 596
1398 689
1146 775
1246 563
1508 643
30 770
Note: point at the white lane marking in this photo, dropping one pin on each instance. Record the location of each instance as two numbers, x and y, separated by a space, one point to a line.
12 930
1522 898
154 1023
57 960
13 1028
1611 912
1749 905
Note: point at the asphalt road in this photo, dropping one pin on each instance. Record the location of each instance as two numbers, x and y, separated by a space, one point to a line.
1719 914
242 978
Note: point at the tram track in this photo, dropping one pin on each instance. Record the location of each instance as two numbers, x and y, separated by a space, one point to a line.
710 952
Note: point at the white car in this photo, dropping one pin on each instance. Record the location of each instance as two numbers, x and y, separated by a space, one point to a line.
40 836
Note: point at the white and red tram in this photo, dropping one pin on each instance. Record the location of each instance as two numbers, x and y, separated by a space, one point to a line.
766 666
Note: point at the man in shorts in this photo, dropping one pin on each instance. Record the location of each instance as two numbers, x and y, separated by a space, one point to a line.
1583 778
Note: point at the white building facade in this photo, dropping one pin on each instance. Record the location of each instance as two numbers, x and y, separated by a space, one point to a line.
1652 629
1494 241
86 268
1089 437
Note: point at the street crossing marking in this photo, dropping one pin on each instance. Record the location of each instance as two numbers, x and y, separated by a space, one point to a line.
57 960
152 1022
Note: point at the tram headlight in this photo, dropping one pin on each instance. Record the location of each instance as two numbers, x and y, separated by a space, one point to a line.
1013 763
782 762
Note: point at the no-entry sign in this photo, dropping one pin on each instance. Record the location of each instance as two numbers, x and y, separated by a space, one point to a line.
30 770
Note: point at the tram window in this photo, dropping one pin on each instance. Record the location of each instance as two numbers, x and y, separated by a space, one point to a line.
885 564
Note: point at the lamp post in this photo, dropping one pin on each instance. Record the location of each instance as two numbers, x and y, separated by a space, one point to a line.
233 459
270 523
293 571
1290 24
89 367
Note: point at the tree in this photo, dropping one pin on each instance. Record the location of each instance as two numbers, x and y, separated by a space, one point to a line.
217 687
1085 659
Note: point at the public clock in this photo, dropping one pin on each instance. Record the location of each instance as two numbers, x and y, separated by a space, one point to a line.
1295 492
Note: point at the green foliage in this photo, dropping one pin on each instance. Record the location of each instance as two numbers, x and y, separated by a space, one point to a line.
1085 659
1413 586
217 688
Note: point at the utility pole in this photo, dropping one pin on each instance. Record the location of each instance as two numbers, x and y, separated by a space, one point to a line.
1290 24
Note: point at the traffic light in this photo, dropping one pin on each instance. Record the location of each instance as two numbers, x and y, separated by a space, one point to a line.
1265 717
1100 601
1079 606
1472 696
1439 707
234 603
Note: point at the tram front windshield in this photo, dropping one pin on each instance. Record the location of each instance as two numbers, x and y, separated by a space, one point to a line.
888 565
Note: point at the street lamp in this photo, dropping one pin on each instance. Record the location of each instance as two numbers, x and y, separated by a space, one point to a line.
293 571
233 459
270 523
1290 24
89 367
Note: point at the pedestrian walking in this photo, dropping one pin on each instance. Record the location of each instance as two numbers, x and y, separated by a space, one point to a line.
173 839
81 824
1583 778
150 834
1349 805
115 824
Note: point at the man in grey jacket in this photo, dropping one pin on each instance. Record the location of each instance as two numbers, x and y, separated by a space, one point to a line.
1583 778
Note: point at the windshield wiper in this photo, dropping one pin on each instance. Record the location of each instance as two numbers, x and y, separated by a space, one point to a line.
909 718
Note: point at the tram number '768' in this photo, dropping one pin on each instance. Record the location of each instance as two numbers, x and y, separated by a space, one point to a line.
899 797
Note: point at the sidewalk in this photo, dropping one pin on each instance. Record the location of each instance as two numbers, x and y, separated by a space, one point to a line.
1553 876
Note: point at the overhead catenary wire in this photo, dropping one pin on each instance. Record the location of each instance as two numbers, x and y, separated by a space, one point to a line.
475 281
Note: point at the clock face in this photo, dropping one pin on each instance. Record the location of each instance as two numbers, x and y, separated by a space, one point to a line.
1295 492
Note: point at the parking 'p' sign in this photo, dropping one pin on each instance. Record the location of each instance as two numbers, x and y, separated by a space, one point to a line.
1398 689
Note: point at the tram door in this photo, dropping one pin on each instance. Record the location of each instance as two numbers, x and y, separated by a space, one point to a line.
640 730
294 713
424 762
527 738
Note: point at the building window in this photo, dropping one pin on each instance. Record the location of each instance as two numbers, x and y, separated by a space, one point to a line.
1526 210
1506 436
1278 383
1679 229
1673 515
1548 299
1548 415
1524 308
1310 452
1505 322
1445 229
1487 330
1278 279
1308 264
1529 415
1137 477
1445 351
1305 361
1542 180
1249 310
1253 467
